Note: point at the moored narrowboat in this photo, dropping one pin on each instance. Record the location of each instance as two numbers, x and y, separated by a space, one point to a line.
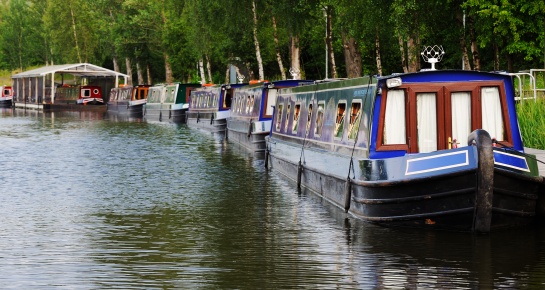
6 97
155 108
90 95
432 149
169 102
128 100
209 107
252 110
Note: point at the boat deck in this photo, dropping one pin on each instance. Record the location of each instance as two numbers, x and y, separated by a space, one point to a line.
540 156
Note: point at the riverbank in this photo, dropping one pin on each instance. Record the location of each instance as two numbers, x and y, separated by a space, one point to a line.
540 156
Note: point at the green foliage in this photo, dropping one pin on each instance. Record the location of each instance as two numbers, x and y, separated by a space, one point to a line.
38 32
531 123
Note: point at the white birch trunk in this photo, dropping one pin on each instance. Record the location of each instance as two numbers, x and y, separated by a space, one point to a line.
74 30
129 70
256 43
208 68
295 69
277 49
201 70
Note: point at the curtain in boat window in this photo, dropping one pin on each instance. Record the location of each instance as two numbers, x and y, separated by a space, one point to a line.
461 116
426 118
394 118
491 111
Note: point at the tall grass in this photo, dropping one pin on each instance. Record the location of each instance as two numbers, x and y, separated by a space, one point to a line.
531 117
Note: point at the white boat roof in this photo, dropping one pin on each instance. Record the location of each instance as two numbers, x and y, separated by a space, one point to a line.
78 69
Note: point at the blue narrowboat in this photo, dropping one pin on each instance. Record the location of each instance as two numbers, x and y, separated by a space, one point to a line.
432 149
209 107
252 110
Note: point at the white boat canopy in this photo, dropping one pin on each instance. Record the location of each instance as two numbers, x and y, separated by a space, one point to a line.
38 85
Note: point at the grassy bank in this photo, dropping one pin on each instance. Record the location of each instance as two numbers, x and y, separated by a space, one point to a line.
531 116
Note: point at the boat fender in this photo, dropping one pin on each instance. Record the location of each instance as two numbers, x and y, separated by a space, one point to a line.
145 110
160 116
198 116
347 194
299 173
212 119
169 114
485 180
250 129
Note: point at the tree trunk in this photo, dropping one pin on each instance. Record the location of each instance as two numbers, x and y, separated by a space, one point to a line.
256 44
148 72
412 54
168 70
402 51
139 73
129 70
496 57
277 49
463 45
352 56
377 53
201 70
295 69
474 46
74 30
209 68
329 43
116 65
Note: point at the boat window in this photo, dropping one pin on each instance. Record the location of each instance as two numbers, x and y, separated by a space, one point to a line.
339 121
492 119
252 100
426 119
86 93
248 100
394 118
309 119
296 118
288 111
319 119
355 115
6 92
271 100
461 116
227 100
279 116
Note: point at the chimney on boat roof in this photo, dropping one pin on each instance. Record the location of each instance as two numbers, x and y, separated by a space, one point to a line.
432 55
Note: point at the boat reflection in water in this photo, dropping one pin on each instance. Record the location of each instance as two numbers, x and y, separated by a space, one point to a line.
432 149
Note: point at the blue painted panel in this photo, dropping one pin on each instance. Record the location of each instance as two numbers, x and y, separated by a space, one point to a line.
437 162
511 161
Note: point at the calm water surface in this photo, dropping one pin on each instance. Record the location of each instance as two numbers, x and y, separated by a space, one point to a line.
92 202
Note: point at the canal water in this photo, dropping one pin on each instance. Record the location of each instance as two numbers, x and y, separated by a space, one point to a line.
90 201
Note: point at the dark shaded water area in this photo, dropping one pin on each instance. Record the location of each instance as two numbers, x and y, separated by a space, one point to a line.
89 201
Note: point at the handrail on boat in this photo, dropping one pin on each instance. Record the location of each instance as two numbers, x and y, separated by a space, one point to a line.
532 85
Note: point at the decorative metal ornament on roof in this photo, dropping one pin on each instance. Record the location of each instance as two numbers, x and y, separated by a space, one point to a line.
294 73
432 54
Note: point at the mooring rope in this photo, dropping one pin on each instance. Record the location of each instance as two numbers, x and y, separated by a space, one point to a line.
300 167
348 184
